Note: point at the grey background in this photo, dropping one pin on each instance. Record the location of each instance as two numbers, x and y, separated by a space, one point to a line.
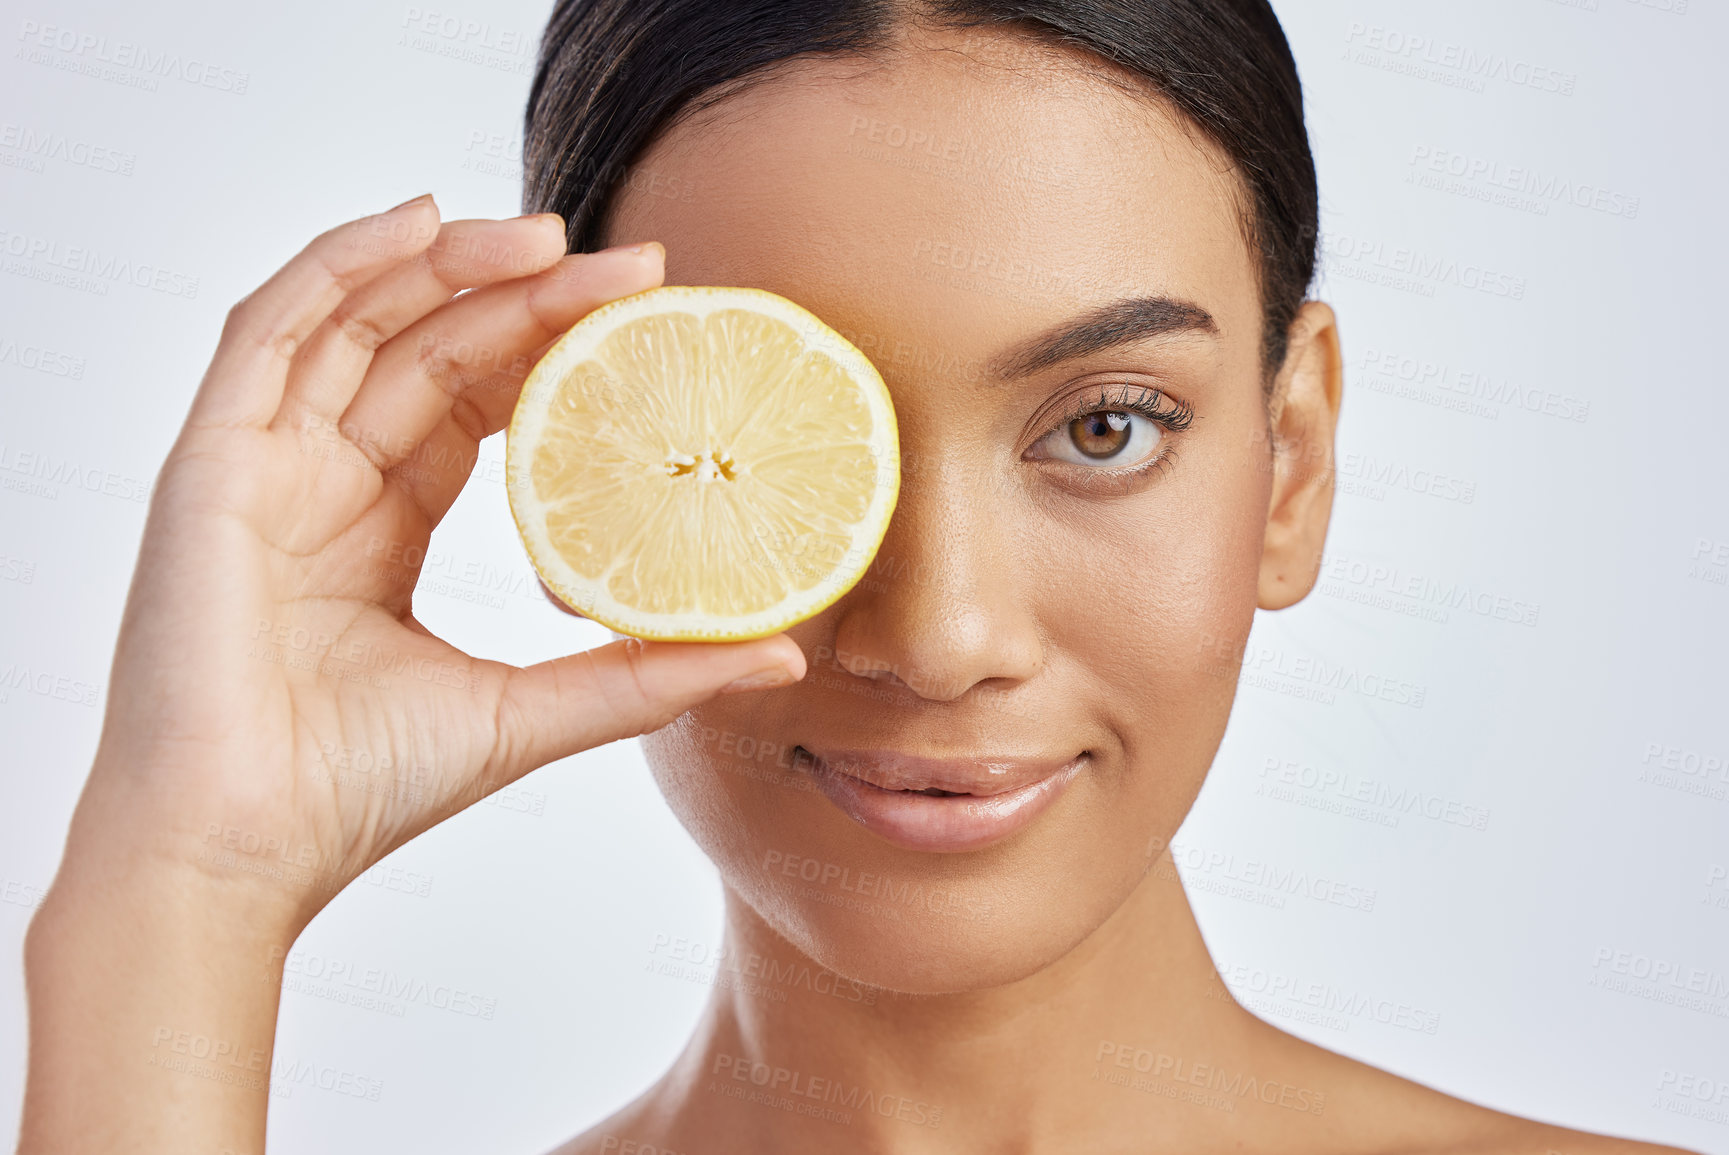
1522 234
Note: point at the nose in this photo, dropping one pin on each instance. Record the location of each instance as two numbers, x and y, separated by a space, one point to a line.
943 608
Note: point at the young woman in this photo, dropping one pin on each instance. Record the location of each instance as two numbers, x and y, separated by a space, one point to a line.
1077 238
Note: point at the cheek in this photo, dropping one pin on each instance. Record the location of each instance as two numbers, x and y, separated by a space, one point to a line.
732 777
1150 600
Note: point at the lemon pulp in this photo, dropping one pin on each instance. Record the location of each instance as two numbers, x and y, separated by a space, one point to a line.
702 464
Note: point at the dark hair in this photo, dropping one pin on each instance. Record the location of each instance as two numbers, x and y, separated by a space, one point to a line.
613 73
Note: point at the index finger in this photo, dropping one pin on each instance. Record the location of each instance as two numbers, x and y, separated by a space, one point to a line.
247 375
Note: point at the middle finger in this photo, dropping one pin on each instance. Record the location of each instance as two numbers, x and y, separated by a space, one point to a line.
417 375
331 365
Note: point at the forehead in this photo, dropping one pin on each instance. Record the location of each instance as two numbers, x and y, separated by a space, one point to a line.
986 178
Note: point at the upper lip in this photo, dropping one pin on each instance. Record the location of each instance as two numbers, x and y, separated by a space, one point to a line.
980 776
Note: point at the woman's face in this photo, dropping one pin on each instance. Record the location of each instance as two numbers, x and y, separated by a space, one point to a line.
1052 276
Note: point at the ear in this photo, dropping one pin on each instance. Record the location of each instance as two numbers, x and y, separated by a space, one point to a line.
1301 423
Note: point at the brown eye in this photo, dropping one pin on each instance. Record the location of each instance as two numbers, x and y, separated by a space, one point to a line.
1101 435
1105 439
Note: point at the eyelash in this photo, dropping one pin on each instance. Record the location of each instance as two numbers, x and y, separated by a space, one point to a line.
1167 412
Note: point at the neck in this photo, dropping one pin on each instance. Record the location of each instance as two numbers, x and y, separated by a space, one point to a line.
1122 1034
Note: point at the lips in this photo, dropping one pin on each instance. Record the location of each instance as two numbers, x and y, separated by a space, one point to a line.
941 805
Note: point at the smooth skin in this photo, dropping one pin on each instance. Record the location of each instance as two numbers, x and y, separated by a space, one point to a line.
1027 608
1020 605
270 673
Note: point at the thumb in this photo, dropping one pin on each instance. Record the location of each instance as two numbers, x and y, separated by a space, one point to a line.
629 687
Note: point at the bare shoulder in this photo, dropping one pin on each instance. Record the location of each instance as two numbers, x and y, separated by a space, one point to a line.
1384 1114
1501 1134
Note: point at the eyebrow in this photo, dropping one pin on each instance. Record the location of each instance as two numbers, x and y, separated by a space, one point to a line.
1106 327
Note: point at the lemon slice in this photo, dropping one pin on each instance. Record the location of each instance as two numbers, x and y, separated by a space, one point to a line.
702 464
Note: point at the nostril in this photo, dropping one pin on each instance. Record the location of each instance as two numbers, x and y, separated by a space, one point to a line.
873 668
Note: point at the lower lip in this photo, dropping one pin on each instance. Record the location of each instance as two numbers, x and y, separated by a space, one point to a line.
941 824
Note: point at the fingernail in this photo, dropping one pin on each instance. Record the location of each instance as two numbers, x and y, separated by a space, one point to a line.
422 198
761 680
540 216
638 248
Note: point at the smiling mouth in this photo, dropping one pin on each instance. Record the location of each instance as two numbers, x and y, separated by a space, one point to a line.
937 804
932 777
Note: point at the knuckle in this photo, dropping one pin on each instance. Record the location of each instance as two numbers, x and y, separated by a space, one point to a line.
360 330
533 300
434 264
650 709
245 325
340 275
433 360
469 420
624 693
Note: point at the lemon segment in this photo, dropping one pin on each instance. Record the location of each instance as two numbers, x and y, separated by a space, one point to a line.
702 464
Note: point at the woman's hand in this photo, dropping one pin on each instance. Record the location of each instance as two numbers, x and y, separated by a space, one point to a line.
277 719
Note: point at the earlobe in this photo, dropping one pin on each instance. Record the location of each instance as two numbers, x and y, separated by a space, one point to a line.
1301 425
